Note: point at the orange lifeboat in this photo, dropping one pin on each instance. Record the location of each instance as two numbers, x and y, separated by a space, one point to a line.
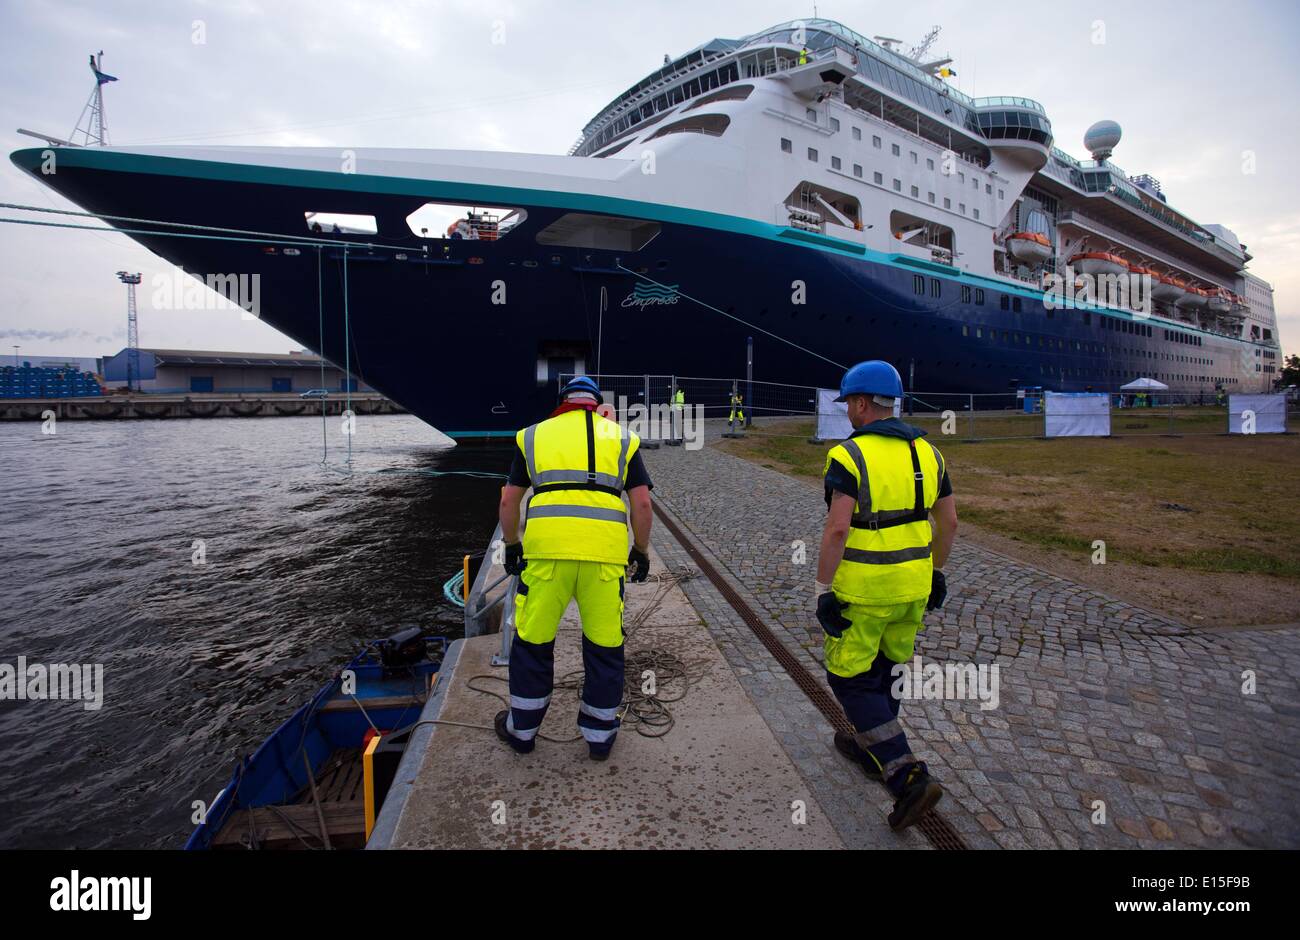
1098 262
1029 247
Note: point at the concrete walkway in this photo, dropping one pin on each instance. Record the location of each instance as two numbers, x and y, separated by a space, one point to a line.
1102 705
718 779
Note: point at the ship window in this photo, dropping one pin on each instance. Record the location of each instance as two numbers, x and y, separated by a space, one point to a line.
878 179
962 207
913 153
857 170
857 133
714 125
835 163
580 230
936 287
979 296
977 213
988 189
786 145
1002 194
979 333
965 294
947 203
341 223
931 198
812 154
915 192
929 164
812 115
898 186
918 284
875 141
893 148
1005 301
730 93
835 124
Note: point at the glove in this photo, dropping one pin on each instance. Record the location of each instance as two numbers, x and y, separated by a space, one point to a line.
830 616
514 563
638 565
938 590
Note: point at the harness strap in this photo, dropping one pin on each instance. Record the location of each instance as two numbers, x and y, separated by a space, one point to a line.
888 518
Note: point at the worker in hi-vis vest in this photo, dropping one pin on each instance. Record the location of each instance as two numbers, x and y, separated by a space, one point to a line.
737 409
880 569
579 464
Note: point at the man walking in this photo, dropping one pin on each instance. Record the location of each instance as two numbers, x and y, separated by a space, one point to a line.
879 571
575 546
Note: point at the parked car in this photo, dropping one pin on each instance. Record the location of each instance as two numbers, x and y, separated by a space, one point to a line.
316 393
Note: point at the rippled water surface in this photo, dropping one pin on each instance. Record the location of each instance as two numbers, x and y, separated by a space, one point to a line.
304 562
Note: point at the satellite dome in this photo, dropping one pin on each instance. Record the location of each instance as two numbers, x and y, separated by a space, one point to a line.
1101 138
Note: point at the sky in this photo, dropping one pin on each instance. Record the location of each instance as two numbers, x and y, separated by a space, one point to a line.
1189 82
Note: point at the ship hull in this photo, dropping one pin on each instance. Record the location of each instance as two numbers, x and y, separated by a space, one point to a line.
458 332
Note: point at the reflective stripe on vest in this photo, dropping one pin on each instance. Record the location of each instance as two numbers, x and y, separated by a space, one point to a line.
577 462
887 557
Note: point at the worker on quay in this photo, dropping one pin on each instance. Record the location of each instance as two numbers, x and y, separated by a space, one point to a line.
879 571
679 413
579 464
737 409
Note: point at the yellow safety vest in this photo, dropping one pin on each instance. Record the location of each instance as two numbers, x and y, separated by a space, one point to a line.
887 555
577 462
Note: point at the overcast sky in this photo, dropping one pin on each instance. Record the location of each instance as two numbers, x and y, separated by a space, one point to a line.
1195 85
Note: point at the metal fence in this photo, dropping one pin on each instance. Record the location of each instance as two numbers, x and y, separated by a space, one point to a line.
1010 415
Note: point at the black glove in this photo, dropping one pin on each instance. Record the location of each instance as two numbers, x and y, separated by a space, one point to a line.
514 563
938 590
829 615
638 565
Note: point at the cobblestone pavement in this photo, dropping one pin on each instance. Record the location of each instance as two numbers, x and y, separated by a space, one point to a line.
1098 700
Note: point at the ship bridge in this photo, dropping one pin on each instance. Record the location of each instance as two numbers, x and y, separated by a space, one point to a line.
871 77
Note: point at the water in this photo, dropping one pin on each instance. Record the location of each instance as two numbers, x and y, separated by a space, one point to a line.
201 662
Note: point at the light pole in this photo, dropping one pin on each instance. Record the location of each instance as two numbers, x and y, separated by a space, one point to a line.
16 348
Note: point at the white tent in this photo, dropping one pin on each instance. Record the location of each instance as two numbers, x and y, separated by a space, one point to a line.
1144 385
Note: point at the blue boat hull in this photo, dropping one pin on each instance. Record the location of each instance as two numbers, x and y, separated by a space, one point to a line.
422 326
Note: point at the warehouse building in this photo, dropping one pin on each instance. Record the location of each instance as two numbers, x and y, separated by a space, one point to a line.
189 371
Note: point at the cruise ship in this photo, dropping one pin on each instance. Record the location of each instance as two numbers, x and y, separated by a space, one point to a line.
829 195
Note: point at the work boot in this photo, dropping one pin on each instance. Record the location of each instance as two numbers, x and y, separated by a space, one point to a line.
523 747
917 795
845 744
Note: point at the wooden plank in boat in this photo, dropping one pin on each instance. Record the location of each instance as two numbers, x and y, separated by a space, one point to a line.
346 823
383 701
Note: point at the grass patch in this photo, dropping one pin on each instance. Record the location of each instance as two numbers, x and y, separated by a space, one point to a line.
1203 502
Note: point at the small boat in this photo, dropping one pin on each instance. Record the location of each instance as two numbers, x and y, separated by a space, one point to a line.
1220 302
1195 298
1029 247
320 779
1168 289
1098 262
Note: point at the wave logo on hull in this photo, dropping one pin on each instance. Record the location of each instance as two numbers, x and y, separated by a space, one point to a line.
652 295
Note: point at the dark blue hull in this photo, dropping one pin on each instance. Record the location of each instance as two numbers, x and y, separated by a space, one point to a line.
424 330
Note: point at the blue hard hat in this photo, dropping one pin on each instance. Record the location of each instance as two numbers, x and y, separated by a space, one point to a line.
582 383
874 377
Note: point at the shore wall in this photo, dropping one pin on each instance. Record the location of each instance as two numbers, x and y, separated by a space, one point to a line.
126 407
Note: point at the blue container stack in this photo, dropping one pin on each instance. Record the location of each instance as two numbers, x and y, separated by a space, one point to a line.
26 381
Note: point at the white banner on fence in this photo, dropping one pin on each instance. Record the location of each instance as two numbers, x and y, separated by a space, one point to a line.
1257 414
833 416
1077 414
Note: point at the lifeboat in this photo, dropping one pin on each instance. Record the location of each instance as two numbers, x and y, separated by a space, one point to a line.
1167 289
1195 298
1094 263
1029 247
1220 302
